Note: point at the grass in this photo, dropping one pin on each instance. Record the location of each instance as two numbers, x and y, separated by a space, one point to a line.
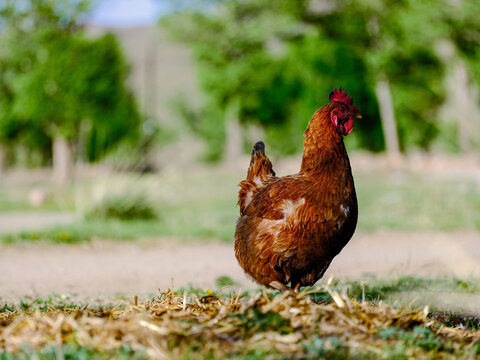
125 206
74 351
408 201
15 194
445 295
88 230
388 290
202 205
318 323
379 289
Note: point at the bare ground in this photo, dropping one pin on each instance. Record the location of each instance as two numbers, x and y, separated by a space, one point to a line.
102 269
12 222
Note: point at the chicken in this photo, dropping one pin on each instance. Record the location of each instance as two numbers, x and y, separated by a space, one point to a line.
290 228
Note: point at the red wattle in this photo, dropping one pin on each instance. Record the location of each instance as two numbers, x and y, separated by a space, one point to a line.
347 127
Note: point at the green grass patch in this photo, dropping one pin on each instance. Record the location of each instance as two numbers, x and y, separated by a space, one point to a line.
408 201
448 297
56 302
128 206
88 230
375 289
72 351
18 195
202 205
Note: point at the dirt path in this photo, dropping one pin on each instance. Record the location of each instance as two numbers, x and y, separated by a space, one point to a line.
12 222
107 269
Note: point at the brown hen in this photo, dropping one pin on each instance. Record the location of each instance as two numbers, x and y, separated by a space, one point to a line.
290 228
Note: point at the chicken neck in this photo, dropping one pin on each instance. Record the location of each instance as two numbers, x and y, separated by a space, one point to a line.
324 150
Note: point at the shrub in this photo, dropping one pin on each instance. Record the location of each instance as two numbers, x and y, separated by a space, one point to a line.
125 206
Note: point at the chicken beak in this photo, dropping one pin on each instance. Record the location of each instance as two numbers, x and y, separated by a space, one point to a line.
358 116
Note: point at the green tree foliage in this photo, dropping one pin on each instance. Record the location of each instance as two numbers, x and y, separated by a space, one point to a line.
394 39
57 82
263 55
236 65
280 59
318 64
464 30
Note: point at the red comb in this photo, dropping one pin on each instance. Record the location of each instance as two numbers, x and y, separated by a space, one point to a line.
340 96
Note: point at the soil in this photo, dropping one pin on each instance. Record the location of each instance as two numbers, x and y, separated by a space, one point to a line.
103 269
12 222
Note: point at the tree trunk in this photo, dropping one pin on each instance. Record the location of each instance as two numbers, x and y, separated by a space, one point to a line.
460 104
255 133
2 161
233 150
150 101
464 105
387 117
62 160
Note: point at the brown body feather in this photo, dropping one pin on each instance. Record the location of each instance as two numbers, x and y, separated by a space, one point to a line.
290 228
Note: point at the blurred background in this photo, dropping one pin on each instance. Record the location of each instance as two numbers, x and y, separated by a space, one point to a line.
134 120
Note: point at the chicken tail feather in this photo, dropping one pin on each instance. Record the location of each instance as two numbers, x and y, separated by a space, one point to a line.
259 146
260 165
259 173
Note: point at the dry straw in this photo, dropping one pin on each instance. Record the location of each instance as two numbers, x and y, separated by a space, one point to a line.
170 324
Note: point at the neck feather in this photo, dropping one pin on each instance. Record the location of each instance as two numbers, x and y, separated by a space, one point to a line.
323 146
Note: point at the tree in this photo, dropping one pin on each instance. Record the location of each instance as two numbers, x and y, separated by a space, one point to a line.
395 40
282 86
398 43
464 58
65 86
236 67
385 52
